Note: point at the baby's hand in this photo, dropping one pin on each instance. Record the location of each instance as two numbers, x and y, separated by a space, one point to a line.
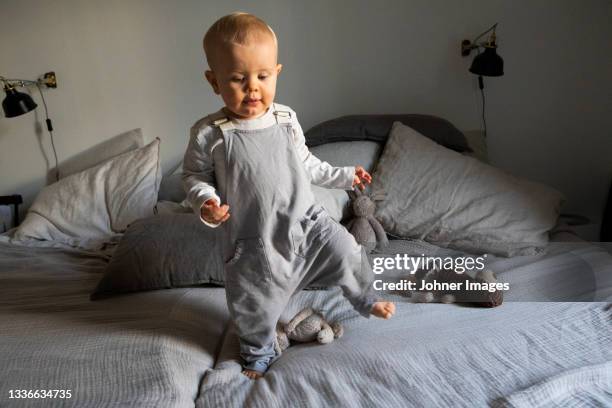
213 213
361 177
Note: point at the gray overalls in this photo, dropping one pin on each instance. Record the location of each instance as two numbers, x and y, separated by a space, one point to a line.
277 239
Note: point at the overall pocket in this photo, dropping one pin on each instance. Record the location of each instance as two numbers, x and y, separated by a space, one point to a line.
299 231
308 231
250 263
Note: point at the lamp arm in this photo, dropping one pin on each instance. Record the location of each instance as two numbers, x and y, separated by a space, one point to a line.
49 80
467 46
491 28
22 82
5 82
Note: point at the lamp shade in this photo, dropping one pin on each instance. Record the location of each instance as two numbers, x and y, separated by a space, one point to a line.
488 63
17 103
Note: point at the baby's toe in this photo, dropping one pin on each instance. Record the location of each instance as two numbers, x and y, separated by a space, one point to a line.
253 375
389 310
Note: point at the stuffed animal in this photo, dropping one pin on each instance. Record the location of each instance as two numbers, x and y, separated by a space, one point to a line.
365 228
482 298
308 325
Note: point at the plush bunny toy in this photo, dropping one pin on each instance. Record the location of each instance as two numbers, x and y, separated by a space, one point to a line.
365 228
306 326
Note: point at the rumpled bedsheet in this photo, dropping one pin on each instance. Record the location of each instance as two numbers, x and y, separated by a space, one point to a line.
523 353
146 349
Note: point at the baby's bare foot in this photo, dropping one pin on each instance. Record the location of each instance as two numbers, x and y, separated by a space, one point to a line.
252 374
384 310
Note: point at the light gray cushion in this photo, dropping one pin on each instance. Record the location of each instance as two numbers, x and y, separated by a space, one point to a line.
362 153
452 200
125 142
333 200
161 252
87 208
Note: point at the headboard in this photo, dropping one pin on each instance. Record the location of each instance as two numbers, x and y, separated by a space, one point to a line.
376 128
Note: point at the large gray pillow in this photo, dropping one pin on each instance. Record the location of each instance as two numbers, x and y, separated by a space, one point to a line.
171 188
452 200
161 252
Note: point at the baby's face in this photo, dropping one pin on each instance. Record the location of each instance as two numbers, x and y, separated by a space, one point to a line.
245 77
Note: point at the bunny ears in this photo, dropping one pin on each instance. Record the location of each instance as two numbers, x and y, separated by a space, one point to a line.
378 195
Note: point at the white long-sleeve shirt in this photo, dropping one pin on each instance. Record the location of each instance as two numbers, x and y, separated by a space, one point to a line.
204 167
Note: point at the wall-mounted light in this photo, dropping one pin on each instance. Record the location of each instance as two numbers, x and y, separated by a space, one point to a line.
487 63
18 103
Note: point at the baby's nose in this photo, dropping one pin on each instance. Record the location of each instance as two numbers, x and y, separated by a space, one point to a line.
252 85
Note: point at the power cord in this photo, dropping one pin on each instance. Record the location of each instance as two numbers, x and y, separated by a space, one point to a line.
50 130
484 120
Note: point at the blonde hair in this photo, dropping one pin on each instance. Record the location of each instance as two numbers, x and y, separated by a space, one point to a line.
236 28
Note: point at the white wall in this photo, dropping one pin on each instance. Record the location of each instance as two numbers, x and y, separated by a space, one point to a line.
139 63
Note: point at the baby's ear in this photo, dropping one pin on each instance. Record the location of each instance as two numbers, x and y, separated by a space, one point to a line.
212 80
279 68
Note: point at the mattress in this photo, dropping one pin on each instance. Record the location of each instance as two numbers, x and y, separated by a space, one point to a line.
547 345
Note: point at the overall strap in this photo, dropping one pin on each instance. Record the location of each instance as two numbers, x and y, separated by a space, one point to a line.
224 124
281 116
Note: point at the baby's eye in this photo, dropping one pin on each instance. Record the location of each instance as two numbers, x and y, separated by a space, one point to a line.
236 79
262 77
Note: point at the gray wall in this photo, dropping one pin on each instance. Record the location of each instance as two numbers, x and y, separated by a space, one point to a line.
127 64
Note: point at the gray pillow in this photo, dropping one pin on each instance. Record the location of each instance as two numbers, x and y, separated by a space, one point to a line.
161 252
451 200
171 188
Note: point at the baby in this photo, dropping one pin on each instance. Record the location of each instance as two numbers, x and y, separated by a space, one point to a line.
248 170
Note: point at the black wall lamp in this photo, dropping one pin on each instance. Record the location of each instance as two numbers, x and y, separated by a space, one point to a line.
487 63
19 103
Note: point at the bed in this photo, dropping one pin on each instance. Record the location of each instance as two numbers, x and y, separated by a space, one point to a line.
548 344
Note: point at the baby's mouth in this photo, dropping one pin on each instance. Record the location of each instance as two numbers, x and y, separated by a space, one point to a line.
251 102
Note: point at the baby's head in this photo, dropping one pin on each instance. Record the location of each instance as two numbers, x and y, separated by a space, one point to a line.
242 51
